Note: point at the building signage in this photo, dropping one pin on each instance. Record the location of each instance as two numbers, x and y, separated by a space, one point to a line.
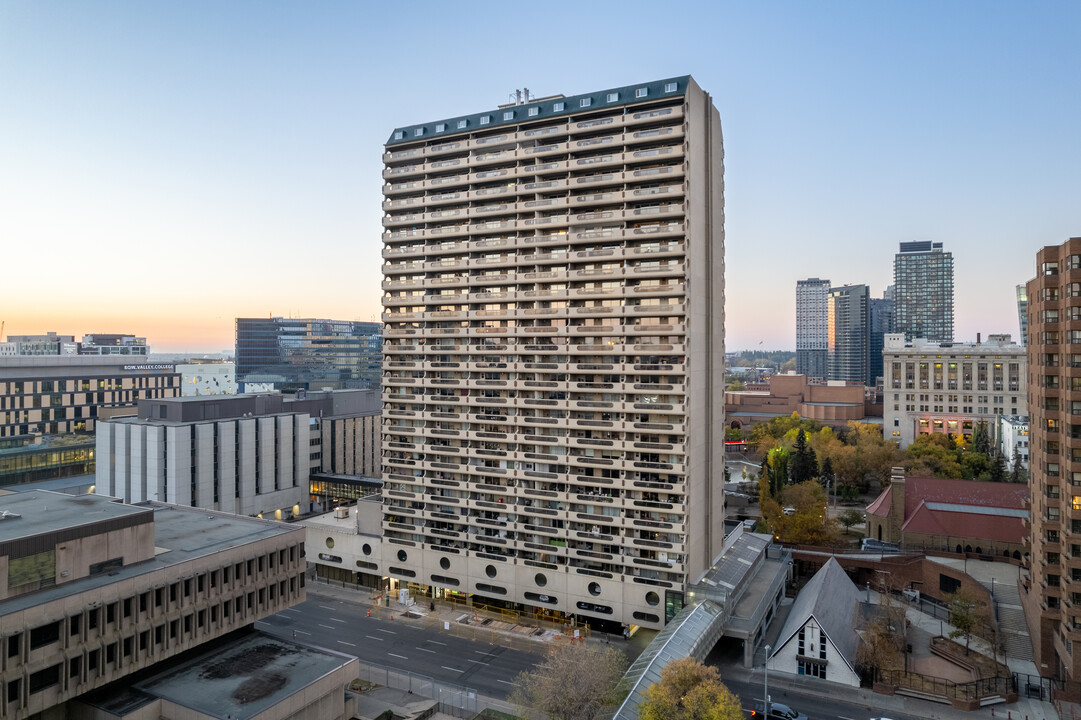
149 366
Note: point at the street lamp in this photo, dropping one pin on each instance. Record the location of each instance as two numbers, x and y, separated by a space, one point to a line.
765 685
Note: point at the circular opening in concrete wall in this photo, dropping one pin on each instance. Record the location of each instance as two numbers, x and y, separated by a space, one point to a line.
594 589
540 580
444 563
490 571
330 542
402 555
366 549
652 598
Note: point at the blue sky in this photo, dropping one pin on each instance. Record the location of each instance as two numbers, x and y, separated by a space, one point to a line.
166 167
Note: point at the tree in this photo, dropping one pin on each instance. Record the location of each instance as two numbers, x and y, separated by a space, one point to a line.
575 682
826 475
981 439
1018 474
998 468
968 615
736 386
804 465
689 690
775 470
850 517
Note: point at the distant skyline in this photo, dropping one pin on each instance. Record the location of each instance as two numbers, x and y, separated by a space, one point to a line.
167 167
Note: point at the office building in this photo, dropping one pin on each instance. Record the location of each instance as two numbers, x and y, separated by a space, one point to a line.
1052 596
1022 312
47 344
31 459
923 291
950 387
243 454
63 395
832 403
849 334
881 322
812 321
113 344
554 351
95 591
305 354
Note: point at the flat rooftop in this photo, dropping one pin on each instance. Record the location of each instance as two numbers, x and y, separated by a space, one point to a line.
245 678
26 514
180 534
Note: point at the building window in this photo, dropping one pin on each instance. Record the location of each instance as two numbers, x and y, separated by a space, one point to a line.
485 119
440 127
808 667
585 102
641 92
613 97
418 132
533 112
670 87
558 107
509 115
398 135
462 124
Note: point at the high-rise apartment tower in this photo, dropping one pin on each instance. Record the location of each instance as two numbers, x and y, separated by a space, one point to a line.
849 334
812 335
923 291
554 347
1052 596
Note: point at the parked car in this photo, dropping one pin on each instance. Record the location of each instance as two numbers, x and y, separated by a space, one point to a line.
872 545
777 711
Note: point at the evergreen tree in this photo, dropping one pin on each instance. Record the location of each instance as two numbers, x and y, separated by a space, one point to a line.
998 468
1015 471
826 474
981 440
804 465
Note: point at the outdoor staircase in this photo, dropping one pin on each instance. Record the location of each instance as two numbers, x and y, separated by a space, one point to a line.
1011 620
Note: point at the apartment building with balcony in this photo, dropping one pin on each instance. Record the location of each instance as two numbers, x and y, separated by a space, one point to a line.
923 291
950 388
812 327
1052 599
554 350
94 591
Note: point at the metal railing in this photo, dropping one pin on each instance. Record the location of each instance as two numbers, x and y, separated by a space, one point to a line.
940 687
456 700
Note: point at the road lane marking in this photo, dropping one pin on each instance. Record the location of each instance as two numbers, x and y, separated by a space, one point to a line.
373 637
302 632
327 608
450 668
842 717
335 620
343 642
403 657
389 632
482 652
505 682
328 627
436 642
290 610
478 662
426 650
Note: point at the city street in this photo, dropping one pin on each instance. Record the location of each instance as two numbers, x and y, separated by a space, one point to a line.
404 644
815 707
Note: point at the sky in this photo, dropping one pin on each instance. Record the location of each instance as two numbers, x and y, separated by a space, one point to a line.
167 167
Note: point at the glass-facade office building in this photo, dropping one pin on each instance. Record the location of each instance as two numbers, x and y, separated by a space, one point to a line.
308 354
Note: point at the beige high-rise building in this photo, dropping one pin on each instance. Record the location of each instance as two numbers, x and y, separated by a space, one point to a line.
553 389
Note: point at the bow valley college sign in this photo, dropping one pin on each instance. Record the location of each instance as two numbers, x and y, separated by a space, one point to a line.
148 366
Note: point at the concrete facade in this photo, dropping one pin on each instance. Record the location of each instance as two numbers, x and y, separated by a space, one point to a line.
923 291
948 388
849 335
244 454
553 369
1012 438
199 379
107 589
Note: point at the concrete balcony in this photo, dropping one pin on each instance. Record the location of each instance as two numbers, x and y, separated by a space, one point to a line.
660 115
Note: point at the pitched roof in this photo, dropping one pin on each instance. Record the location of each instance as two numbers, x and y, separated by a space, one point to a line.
832 599
961 508
882 504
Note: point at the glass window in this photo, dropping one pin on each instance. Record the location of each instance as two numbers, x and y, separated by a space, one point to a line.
585 102
613 97
641 92
462 123
670 87
509 115
399 135
485 119
418 132
440 127
533 112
